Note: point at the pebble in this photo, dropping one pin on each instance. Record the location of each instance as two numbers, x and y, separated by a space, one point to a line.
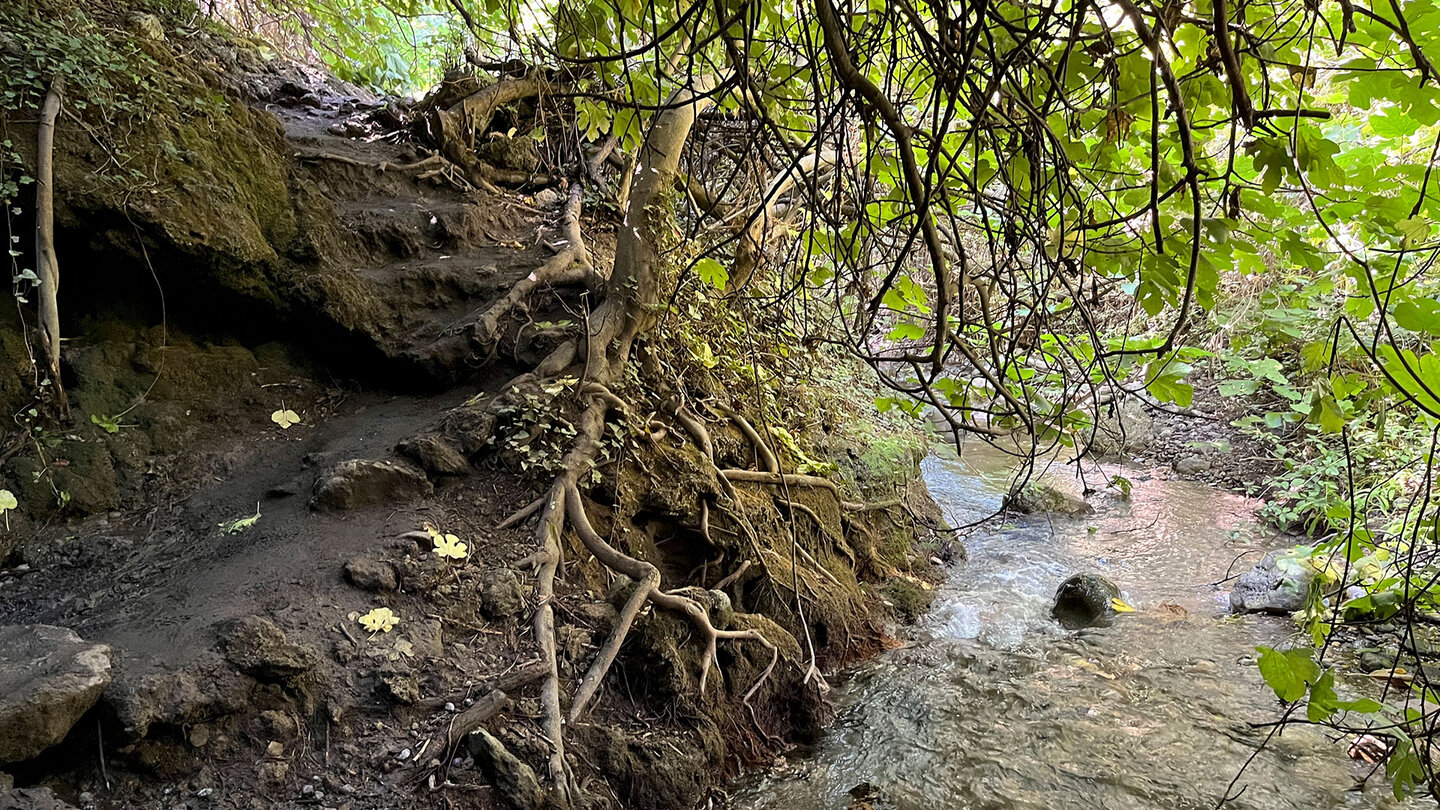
307 789
205 793
449 707
405 753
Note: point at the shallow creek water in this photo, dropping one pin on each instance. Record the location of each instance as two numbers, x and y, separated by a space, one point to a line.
993 705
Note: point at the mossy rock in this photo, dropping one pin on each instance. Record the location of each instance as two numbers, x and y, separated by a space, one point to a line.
908 598
1041 497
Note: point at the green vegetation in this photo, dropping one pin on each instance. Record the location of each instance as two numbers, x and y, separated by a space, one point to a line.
1016 214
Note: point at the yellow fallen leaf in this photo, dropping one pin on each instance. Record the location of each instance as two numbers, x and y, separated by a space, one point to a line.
1120 606
379 620
285 418
450 546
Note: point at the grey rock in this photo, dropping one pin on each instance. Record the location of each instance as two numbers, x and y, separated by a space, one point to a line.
434 455
1192 465
140 697
147 26
1126 429
515 781
261 650
470 427
358 483
49 678
1085 600
1279 584
520 154
1376 658
1041 497
399 683
370 573
547 197
426 638
501 595
37 798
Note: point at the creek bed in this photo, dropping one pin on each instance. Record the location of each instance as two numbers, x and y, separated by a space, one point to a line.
992 705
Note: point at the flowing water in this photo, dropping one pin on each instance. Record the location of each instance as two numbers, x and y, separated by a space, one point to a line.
993 705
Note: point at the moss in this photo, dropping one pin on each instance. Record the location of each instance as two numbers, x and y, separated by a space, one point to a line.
909 599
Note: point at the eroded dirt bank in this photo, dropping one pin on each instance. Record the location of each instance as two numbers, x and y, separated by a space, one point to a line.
276 263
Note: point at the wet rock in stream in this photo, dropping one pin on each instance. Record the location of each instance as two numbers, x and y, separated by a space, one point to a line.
1041 498
1085 600
1279 584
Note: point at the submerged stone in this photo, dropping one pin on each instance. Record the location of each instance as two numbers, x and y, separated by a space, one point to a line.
1085 600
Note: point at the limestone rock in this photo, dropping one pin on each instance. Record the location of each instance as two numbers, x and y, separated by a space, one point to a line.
434 455
1085 600
49 677
1280 583
370 573
261 650
1126 429
514 780
358 483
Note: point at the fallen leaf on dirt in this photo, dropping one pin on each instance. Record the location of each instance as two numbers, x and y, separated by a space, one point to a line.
379 620
285 418
451 546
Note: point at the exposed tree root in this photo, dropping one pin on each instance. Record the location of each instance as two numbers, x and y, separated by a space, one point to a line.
46 266
764 456
478 108
571 265
782 479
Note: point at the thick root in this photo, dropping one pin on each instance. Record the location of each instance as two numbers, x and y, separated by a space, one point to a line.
647 589
571 265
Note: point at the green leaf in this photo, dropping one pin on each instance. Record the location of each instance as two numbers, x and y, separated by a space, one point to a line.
712 272
907 331
1288 672
1419 315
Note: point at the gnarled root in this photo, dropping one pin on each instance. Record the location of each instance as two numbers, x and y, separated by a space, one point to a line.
647 589
571 265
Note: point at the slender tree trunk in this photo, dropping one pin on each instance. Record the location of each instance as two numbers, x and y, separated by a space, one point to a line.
46 266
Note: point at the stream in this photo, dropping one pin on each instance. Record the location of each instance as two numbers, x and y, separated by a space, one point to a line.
993 705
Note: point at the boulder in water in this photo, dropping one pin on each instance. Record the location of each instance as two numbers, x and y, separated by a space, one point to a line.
1121 430
1279 584
1085 600
1041 497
